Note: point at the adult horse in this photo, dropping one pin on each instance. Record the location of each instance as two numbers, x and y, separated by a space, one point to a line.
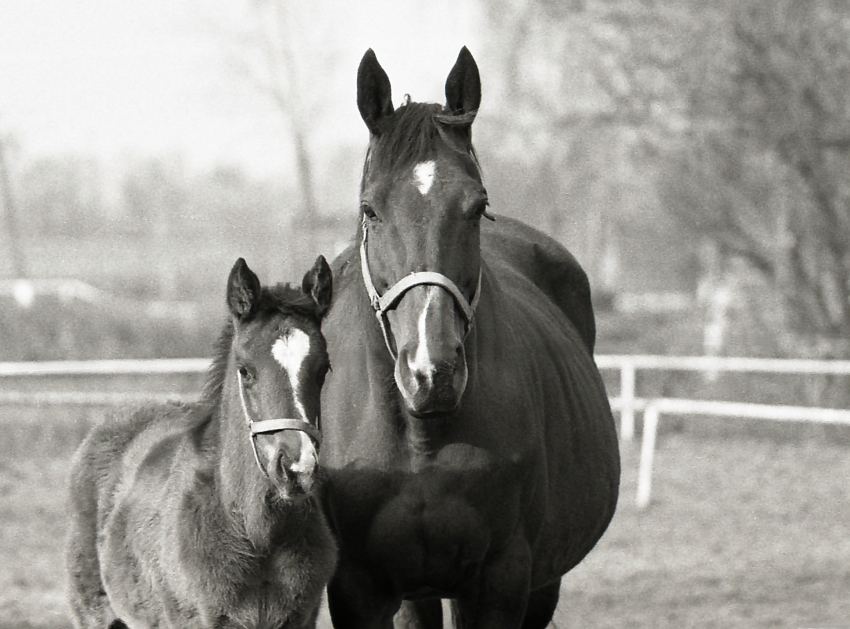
205 515
470 447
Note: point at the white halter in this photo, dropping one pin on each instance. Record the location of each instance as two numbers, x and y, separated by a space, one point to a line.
266 426
382 303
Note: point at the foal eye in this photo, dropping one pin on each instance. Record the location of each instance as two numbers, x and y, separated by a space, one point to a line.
248 377
368 211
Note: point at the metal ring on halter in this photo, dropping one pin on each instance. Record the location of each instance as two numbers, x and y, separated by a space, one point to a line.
266 426
382 303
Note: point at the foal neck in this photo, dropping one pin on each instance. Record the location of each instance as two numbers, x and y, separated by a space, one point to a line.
246 494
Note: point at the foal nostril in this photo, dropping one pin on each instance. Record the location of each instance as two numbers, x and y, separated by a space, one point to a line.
422 378
280 468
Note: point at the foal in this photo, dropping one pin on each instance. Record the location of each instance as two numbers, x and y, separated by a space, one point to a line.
206 514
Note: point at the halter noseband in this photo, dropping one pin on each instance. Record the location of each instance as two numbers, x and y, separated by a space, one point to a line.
266 426
382 303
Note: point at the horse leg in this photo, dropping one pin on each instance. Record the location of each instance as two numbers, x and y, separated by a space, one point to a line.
500 597
355 602
541 606
420 614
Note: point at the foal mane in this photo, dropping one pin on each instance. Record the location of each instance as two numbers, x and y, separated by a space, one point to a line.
408 134
274 300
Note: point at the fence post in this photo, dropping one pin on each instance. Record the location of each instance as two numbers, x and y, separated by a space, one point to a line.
647 451
627 399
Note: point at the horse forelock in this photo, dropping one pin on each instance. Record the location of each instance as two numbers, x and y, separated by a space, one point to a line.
411 132
282 299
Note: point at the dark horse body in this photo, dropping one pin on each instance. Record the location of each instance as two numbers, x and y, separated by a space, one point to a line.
472 460
203 515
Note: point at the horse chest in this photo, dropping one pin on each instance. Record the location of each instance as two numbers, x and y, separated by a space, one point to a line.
432 523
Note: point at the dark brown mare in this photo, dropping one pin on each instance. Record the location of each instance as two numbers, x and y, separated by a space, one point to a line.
206 514
470 448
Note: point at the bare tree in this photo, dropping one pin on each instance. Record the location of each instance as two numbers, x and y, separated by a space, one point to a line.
765 172
272 52
9 214
598 89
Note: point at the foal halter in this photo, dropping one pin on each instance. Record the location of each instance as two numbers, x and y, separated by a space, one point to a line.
267 426
382 303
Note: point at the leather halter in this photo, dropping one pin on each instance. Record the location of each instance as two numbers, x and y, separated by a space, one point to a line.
382 303
267 426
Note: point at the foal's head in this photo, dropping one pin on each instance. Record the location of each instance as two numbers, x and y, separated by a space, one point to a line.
275 370
421 203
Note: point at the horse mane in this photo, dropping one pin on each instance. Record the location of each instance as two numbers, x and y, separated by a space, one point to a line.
280 299
407 135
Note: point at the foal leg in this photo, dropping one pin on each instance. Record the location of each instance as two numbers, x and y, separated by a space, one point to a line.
541 606
355 602
420 614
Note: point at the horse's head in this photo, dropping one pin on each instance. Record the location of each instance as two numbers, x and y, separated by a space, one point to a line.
277 366
421 203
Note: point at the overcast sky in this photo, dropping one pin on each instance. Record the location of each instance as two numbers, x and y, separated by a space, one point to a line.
118 79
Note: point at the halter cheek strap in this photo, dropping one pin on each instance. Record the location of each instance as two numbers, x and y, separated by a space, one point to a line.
382 303
267 426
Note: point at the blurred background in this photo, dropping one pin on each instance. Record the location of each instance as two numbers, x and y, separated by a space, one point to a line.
693 155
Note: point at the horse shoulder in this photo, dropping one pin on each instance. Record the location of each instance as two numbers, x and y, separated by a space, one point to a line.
549 265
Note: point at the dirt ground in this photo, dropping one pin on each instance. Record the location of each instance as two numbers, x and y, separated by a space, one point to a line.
740 533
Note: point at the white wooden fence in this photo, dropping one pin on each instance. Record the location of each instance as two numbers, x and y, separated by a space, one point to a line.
627 403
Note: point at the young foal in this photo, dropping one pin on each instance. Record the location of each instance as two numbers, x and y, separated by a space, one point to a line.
204 515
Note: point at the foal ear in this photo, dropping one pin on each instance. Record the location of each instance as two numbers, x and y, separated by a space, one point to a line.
463 87
318 284
374 92
243 290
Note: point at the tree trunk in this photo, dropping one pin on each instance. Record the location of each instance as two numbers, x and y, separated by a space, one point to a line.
10 218
309 210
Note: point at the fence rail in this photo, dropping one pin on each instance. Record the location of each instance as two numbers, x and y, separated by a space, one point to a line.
105 367
627 403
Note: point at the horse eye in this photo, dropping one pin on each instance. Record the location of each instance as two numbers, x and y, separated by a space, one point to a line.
481 210
368 211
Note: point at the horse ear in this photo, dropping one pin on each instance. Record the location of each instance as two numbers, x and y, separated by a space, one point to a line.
463 87
243 290
374 92
318 284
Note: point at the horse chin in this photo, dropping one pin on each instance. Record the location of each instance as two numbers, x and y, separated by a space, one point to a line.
431 407
428 413
295 491
293 496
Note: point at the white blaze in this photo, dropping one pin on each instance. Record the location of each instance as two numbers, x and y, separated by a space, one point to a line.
422 358
424 175
307 461
290 351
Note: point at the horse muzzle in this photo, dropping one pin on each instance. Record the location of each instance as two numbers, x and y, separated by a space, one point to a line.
433 389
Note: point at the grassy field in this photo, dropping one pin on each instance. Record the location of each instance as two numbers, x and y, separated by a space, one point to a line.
740 533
